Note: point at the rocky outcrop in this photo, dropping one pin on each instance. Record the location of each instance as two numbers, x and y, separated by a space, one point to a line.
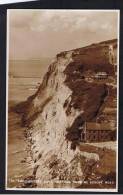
64 100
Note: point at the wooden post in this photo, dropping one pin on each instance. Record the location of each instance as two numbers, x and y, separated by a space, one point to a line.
85 131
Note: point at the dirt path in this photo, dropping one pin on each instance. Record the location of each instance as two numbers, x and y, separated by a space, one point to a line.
102 171
107 157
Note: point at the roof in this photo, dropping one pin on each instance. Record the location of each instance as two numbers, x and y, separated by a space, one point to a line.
101 73
98 126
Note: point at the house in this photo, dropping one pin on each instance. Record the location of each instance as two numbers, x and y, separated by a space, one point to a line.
100 75
97 132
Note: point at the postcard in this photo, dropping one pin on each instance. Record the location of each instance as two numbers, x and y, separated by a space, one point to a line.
62 100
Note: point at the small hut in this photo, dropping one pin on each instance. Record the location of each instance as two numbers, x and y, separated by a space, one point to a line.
100 75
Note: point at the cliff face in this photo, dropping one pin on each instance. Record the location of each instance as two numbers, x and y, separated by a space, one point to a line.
64 100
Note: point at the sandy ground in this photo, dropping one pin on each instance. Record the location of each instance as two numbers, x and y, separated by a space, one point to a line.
107 158
112 145
19 162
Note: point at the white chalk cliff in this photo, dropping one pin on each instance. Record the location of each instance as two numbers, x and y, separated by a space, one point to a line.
59 108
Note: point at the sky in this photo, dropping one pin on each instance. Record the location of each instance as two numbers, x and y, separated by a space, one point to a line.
35 34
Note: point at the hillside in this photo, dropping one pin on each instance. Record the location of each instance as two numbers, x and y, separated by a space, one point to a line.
68 96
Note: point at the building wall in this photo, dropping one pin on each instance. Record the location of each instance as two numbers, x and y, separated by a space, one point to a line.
99 135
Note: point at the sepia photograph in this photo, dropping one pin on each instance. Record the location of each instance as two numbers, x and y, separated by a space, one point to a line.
62 100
